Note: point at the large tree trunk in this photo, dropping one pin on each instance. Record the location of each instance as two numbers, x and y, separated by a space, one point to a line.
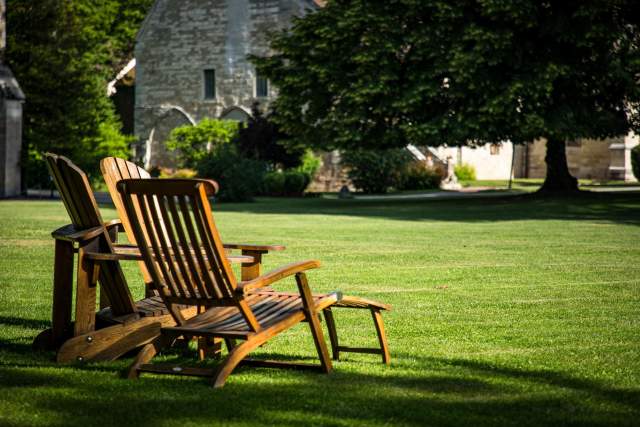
558 180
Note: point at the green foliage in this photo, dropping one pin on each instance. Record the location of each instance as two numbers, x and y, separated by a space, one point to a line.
309 166
376 171
362 74
63 53
635 161
295 182
418 176
262 139
465 172
273 183
193 143
285 183
177 173
239 178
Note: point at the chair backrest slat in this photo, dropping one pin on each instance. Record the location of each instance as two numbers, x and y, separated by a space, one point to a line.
197 285
179 242
181 272
208 281
212 249
77 196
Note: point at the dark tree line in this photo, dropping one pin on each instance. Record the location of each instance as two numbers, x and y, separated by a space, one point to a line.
63 53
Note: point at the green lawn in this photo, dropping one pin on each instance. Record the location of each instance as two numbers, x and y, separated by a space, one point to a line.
506 312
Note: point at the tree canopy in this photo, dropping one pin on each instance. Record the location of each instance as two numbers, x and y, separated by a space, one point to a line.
428 72
63 53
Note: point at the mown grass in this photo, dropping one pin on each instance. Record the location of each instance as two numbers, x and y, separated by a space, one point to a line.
518 311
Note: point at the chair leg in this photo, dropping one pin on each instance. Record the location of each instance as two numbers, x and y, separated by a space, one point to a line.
235 356
312 317
230 343
209 347
146 354
333 334
382 337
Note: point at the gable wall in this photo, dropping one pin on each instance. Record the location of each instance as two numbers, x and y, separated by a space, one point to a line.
181 38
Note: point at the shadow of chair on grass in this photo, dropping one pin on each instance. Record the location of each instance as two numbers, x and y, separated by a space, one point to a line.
485 394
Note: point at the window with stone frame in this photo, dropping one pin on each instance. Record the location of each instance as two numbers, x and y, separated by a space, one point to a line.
209 83
262 86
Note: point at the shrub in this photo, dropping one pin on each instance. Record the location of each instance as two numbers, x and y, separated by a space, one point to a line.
177 173
261 139
239 178
309 167
635 161
419 176
288 183
274 183
376 171
465 172
295 182
193 143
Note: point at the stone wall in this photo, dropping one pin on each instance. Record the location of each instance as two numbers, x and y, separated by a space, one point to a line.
179 40
586 158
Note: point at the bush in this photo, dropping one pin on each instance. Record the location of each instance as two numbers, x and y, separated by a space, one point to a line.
261 139
295 182
177 173
309 167
376 171
193 143
274 183
239 178
287 183
419 176
635 161
465 172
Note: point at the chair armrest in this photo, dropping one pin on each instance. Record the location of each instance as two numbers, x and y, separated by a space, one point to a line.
71 234
254 248
275 275
113 223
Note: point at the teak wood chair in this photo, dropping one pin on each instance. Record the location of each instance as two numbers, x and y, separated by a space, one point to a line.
173 225
122 324
115 169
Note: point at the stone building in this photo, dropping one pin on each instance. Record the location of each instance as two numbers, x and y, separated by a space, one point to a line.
191 63
599 160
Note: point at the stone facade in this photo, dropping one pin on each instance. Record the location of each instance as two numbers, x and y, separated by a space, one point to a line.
599 160
178 41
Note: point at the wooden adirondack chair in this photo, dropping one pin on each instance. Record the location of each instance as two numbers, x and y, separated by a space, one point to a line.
122 325
173 225
115 169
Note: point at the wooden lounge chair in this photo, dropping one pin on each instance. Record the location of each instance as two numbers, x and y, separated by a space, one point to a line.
122 324
184 255
115 169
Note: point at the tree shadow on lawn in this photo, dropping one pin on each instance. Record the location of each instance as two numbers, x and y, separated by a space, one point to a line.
447 393
615 207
